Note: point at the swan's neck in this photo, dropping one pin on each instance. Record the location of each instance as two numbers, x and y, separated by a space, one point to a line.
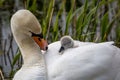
32 56
30 51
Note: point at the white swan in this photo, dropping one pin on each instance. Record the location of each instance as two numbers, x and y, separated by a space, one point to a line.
25 27
67 43
89 61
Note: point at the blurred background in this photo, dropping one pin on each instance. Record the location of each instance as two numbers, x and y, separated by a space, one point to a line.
84 20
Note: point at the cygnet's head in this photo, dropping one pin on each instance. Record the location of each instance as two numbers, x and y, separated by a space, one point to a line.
66 43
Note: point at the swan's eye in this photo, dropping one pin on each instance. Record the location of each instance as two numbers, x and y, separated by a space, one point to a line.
40 35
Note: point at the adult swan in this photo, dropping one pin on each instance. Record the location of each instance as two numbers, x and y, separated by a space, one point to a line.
88 62
26 29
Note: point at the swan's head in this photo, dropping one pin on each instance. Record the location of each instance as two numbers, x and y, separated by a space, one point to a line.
24 22
66 42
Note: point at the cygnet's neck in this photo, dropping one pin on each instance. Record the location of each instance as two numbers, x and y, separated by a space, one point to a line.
30 51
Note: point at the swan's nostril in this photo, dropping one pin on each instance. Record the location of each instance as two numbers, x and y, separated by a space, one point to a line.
46 48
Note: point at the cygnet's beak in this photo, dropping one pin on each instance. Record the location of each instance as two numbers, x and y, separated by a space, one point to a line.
61 49
38 38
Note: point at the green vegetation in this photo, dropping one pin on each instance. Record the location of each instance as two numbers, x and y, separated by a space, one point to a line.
81 22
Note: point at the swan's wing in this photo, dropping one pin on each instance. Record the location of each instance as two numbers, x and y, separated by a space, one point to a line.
108 43
92 62
78 43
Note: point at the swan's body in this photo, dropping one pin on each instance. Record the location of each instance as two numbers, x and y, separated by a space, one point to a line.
89 61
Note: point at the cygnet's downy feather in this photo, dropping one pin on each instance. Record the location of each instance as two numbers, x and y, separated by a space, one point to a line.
66 43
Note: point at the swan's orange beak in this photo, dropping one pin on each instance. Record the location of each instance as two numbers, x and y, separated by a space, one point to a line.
38 38
41 42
